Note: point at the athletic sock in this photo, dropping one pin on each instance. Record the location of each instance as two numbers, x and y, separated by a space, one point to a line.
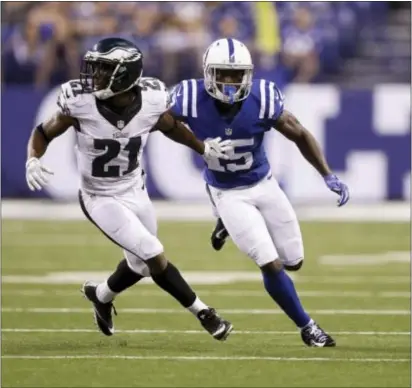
282 290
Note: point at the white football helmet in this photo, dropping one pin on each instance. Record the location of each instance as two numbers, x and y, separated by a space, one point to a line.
228 56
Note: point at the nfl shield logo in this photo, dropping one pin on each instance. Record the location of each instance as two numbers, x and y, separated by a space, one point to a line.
120 124
228 131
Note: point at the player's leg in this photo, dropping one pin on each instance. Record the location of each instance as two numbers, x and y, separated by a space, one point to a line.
219 234
282 224
131 269
168 277
126 274
249 232
123 227
283 227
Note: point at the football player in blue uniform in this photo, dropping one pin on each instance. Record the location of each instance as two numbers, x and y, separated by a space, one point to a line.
251 207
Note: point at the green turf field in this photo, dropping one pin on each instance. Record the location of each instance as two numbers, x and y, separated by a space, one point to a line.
49 338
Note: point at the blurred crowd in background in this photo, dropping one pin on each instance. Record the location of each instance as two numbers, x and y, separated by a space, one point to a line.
42 42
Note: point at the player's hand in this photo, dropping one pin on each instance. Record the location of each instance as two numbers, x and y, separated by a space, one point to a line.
338 187
37 175
217 149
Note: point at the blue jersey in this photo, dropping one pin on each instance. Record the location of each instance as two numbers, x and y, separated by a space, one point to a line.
248 163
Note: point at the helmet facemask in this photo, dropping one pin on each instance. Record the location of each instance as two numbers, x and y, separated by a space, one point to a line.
107 77
228 83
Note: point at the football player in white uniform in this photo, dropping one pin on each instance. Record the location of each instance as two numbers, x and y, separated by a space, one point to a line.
113 110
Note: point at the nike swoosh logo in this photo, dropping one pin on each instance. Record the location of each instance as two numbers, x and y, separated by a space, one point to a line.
220 233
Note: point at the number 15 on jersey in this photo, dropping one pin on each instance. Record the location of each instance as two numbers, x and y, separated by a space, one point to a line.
238 161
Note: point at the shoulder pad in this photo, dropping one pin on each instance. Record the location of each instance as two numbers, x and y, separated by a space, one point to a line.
72 100
184 98
155 92
270 97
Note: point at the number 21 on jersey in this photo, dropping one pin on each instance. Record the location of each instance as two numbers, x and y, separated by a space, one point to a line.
113 148
238 161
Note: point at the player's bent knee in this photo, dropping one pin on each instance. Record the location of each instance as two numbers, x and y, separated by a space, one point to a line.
294 268
149 247
136 264
157 264
262 254
275 266
291 254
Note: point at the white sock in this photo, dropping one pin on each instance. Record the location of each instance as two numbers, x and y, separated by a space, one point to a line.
104 293
310 323
197 306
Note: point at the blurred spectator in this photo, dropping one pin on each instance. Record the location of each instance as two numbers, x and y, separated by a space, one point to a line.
43 41
182 40
232 19
267 43
300 46
90 21
41 48
143 25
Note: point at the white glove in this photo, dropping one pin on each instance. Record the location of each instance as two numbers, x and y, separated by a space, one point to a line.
217 149
37 175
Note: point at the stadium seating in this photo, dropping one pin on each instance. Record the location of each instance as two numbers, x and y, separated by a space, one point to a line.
166 36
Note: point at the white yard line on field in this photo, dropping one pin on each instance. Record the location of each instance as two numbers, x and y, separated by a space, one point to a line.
225 293
201 211
202 277
200 358
365 259
237 332
53 240
47 310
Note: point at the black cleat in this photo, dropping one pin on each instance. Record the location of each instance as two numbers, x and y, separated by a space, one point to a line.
217 327
219 235
102 311
314 336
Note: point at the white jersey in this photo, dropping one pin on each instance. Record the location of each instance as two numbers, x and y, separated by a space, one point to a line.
109 146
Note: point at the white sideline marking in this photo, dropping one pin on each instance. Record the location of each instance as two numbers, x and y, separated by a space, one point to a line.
225 293
201 211
201 358
201 277
57 310
241 332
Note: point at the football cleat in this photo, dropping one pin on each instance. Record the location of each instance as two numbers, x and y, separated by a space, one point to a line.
102 311
314 336
219 235
217 327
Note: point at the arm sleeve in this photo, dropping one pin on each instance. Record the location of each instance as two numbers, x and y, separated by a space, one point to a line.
183 100
278 103
176 97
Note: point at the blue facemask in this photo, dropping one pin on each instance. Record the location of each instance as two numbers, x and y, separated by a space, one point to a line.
229 91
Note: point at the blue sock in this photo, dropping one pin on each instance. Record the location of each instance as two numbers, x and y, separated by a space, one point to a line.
282 290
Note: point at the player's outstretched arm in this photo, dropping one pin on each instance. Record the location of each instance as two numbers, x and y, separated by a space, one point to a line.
178 132
41 136
290 127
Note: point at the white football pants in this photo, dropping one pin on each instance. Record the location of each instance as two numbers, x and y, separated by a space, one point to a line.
261 221
128 220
